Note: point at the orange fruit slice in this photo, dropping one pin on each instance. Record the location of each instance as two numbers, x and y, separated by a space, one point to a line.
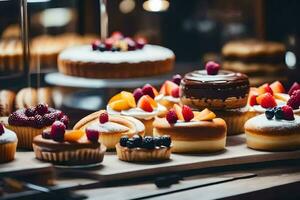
115 98
73 135
204 115
128 96
119 105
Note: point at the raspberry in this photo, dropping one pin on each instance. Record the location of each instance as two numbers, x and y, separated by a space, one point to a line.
148 90
49 118
187 113
1 129
177 79
212 68
96 44
103 118
29 112
294 101
58 131
31 121
171 116
175 92
268 101
288 113
295 86
252 100
18 118
137 93
41 108
92 135
65 120
140 42
39 122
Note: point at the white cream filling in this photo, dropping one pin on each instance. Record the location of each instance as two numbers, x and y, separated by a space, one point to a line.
8 136
168 98
108 127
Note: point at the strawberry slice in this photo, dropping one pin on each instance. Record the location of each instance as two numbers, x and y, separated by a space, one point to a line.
265 88
145 104
252 100
267 101
187 113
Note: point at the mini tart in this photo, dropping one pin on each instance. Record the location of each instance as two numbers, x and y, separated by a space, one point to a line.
68 153
111 132
193 136
142 154
225 90
273 135
8 146
235 119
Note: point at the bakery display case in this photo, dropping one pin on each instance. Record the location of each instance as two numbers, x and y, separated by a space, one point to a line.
149 99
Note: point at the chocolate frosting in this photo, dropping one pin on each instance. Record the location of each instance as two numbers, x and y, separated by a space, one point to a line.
198 84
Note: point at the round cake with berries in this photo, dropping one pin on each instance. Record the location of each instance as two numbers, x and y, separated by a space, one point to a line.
116 57
147 149
192 131
276 130
30 122
68 147
8 144
110 127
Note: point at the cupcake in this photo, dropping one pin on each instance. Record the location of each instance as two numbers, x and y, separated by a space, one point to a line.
223 92
30 122
147 149
169 92
271 95
110 127
192 131
8 144
68 147
276 130
140 105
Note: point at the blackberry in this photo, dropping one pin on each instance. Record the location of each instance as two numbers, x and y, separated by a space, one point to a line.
158 141
137 140
123 140
130 143
148 143
269 113
166 140
278 113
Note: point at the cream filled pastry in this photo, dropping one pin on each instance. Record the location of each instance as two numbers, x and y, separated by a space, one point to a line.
140 105
111 127
276 130
192 132
8 144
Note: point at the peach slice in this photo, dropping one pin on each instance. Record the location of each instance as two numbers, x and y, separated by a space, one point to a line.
204 115
119 105
145 104
170 86
128 96
115 98
73 135
178 111
163 89
277 87
155 91
152 101
282 96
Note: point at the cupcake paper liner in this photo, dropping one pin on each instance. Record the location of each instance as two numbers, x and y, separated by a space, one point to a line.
7 151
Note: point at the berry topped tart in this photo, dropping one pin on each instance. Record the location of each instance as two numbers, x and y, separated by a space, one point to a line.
30 122
147 149
116 57
111 127
169 92
271 95
70 147
276 130
140 104
224 92
8 144
192 131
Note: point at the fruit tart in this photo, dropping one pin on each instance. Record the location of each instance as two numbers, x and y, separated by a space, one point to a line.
276 130
271 95
111 127
8 144
69 147
169 92
30 122
140 105
192 131
147 149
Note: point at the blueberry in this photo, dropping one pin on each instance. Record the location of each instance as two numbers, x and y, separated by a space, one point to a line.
130 143
158 141
123 140
270 113
166 140
102 47
148 143
278 113
137 139
113 49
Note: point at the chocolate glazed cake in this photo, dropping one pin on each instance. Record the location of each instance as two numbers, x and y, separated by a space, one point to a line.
225 90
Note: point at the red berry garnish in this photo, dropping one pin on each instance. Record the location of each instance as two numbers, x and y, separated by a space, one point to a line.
58 131
1 129
46 134
103 118
140 42
171 116
212 68
130 43
29 112
92 135
177 79
294 101
252 100
175 92
187 113
117 35
108 43
96 44
42 108
137 93
148 90
288 113
65 120
295 86
268 101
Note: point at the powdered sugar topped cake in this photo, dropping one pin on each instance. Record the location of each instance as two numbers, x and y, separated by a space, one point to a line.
116 57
